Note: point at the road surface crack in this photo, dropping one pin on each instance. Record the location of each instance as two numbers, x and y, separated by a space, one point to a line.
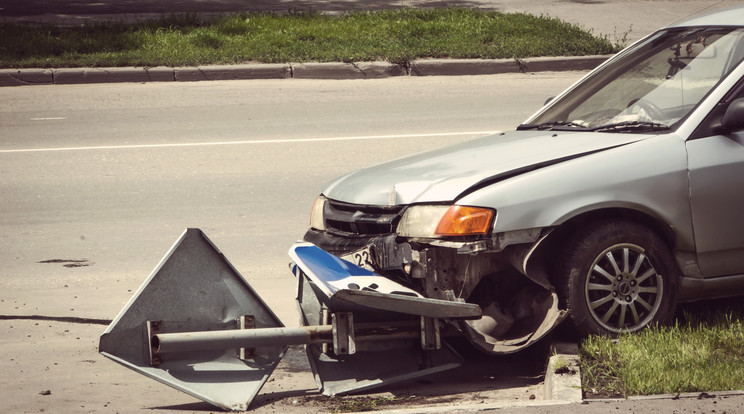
67 319
69 262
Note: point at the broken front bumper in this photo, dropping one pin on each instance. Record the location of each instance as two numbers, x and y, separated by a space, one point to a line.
337 292
520 305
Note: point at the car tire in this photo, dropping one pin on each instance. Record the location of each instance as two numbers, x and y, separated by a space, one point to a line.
616 276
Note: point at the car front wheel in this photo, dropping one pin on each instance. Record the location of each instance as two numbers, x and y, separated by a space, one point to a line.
616 276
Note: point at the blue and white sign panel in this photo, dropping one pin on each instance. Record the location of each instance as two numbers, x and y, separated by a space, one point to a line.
332 274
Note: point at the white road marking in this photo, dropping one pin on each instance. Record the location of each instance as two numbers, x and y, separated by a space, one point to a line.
59 118
262 141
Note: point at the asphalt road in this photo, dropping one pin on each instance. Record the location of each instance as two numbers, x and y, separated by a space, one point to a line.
99 180
113 173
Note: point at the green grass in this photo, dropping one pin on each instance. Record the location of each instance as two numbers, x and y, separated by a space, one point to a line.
397 36
702 351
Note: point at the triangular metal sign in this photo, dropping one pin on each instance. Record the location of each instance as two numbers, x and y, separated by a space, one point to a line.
195 288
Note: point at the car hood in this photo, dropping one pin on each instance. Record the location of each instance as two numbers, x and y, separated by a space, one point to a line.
442 175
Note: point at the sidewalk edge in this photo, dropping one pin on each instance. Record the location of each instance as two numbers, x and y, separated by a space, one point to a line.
309 70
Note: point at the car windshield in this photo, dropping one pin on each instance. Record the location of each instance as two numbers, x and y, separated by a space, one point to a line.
650 87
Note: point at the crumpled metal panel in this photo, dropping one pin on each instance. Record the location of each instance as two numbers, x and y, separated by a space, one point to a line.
328 284
195 288
443 174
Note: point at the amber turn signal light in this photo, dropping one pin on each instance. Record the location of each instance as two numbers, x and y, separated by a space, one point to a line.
465 221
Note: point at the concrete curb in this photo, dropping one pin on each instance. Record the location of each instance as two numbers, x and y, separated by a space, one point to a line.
563 375
561 388
359 70
311 70
17 77
231 72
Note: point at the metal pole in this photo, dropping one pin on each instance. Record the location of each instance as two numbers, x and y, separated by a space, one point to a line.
252 338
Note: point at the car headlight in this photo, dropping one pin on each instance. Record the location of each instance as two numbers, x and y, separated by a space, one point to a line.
437 221
316 215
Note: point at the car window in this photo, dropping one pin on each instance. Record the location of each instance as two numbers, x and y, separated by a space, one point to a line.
693 72
709 125
656 83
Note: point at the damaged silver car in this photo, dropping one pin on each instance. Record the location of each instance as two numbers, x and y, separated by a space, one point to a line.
621 197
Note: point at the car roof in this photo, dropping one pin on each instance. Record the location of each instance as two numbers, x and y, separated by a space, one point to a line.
732 16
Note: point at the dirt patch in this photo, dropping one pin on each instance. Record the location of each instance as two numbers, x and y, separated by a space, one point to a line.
350 404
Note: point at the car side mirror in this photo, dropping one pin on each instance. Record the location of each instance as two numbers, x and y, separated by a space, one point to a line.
733 119
548 100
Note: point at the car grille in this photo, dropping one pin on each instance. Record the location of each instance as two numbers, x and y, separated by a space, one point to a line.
354 219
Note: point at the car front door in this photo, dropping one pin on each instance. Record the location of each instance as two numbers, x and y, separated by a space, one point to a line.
716 173
716 168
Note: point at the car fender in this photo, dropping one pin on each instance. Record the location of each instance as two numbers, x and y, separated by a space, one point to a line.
656 185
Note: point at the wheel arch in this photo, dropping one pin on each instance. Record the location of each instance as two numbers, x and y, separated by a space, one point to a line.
544 254
594 285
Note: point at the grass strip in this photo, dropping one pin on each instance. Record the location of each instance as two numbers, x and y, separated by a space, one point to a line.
397 36
701 352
